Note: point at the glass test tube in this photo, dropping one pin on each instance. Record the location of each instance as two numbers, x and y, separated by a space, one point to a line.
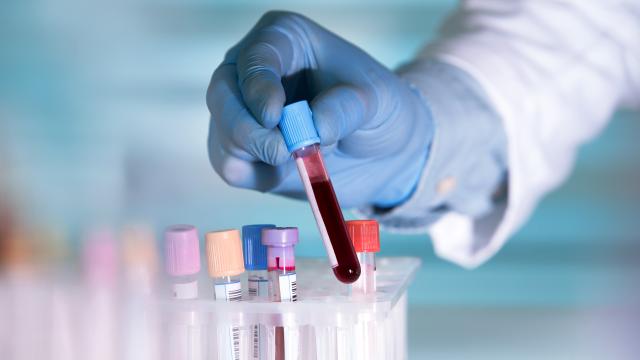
281 263
182 263
226 264
255 263
365 235
303 142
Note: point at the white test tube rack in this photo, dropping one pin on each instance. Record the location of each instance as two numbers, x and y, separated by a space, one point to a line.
326 322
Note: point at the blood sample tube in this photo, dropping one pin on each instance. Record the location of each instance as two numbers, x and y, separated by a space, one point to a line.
366 240
224 254
281 263
185 338
303 142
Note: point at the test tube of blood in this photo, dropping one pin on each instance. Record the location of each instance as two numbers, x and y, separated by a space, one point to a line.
281 263
226 264
255 262
301 138
182 264
365 235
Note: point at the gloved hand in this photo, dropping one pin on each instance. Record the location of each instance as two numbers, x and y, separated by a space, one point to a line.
375 129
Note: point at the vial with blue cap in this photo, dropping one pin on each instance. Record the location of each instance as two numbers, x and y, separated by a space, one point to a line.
302 140
255 260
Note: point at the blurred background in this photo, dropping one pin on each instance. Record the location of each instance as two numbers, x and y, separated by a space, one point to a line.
103 123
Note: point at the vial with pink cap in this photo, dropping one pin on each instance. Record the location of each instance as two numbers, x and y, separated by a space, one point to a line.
281 264
99 326
182 260
186 329
301 137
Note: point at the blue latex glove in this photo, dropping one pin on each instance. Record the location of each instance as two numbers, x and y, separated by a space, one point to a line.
375 128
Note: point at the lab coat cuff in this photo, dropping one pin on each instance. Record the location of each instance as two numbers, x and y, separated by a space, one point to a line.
439 205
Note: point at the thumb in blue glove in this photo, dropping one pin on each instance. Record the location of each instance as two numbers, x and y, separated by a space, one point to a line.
375 129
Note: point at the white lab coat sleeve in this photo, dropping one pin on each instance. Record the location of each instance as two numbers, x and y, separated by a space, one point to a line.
554 72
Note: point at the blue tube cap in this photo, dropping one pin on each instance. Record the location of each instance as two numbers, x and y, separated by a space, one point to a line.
296 126
255 254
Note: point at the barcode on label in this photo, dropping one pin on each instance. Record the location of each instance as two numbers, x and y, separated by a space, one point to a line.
288 287
235 295
294 291
256 341
235 335
258 288
229 291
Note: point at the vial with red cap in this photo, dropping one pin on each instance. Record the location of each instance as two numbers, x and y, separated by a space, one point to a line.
301 137
365 235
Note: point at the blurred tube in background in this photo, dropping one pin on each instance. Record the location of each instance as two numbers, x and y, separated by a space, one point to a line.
141 267
100 265
140 258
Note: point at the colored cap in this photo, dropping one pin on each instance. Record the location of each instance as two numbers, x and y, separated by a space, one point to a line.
365 235
280 236
182 250
255 254
140 248
100 257
224 253
296 126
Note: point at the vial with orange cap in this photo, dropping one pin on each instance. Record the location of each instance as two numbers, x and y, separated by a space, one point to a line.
365 235
225 265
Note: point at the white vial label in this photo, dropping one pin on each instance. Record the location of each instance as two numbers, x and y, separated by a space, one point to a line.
185 291
230 291
287 287
231 340
258 288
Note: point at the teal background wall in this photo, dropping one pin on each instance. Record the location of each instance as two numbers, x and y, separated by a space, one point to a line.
103 121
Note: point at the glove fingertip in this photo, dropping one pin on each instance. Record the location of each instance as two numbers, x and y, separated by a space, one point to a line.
265 98
272 109
327 121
